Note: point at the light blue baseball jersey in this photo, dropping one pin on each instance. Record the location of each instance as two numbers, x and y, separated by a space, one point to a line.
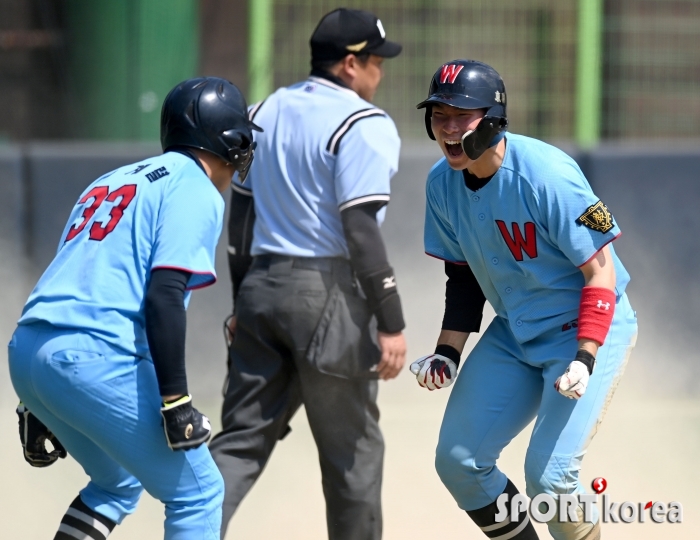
525 234
324 149
163 212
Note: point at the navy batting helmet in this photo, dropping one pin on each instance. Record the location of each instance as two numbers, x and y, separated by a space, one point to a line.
211 114
469 84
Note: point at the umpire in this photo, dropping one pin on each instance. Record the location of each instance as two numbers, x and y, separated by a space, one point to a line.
304 332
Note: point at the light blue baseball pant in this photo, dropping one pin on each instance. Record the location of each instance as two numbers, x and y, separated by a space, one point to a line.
104 407
502 386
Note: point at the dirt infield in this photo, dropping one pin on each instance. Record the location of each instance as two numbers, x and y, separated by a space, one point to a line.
646 449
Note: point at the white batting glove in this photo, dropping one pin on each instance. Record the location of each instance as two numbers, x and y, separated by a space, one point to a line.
574 382
434 371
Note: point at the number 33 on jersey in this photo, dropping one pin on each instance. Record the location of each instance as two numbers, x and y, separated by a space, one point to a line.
96 196
163 212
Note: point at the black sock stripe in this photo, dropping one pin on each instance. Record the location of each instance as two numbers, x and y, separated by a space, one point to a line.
76 516
521 530
82 523
486 516
85 527
509 528
78 504
67 532
495 527
78 524
63 536
512 528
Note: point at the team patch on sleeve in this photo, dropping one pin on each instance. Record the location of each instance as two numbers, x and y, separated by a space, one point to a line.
597 217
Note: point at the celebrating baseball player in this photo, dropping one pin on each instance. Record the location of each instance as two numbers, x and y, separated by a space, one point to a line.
303 332
98 358
517 224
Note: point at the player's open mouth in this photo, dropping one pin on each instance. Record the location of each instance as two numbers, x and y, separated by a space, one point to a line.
454 148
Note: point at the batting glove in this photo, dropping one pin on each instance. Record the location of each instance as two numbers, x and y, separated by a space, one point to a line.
434 371
185 427
33 435
574 382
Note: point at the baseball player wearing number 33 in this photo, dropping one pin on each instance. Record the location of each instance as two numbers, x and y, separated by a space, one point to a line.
98 358
516 223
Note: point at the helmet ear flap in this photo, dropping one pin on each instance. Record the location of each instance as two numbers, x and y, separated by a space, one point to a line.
428 127
242 159
477 141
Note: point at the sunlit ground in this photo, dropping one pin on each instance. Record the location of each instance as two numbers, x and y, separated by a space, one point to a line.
646 449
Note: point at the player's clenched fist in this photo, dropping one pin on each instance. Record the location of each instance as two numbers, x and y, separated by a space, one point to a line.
574 381
434 371
185 427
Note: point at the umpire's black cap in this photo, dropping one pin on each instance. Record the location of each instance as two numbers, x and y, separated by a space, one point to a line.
350 31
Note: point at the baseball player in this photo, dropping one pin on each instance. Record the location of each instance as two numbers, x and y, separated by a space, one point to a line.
98 357
303 332
517 224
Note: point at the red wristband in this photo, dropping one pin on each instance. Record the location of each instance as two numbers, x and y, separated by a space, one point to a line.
595 313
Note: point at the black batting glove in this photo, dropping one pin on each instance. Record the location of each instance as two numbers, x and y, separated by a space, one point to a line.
33 435
185 427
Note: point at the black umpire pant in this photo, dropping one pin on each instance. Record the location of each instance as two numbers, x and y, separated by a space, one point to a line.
303 336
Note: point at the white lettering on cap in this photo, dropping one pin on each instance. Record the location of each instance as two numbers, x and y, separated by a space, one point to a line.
381 29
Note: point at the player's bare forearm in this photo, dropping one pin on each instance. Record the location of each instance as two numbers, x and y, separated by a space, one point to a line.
454 339
588 345
598 272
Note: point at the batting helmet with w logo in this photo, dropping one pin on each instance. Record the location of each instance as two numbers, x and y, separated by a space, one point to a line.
469 84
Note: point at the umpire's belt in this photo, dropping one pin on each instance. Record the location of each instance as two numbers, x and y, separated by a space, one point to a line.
335 265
